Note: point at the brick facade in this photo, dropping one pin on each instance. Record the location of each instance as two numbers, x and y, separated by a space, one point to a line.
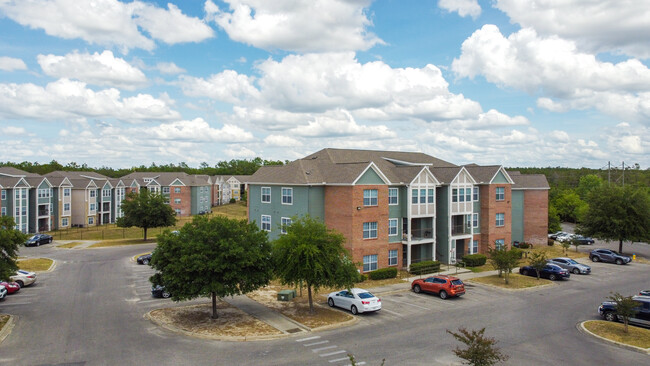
490 232
186 200
536 216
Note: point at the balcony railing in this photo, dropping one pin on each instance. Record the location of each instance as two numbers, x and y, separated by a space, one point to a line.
460 229
419 234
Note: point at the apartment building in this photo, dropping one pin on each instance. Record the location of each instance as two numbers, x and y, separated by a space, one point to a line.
529 207
86 201
227 187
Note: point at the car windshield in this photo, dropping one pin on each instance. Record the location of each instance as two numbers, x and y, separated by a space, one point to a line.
22 272
365 295
456 282
33 237
615 252
571 261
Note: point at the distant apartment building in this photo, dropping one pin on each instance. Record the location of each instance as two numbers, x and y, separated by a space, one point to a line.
227 187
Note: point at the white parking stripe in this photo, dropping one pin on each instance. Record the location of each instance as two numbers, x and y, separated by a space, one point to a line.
307 339
4 304
332 353
406 303
339 360
323 348
315 343
384 310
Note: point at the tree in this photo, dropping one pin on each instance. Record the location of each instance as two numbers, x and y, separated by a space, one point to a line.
575 242
625 307
587 184
566 244
537 260
504 260
10 240
553 219
617 213
480 351
146 210
214 257
569 206
313 254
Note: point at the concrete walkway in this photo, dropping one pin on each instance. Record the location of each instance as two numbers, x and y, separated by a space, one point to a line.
266 314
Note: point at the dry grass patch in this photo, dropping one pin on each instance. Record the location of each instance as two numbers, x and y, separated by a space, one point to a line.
298 308
69 245
4 318
516 281
636 336
232 210
231 322
35 264
120 242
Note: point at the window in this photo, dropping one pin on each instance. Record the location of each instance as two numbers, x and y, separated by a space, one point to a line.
66 192
64 221
91 220
370 230
501 193
177 200
266 222
3 195
468 195
165 190
392 196
266 194
106 193
473 248
369 262
423 196
43 193
66 207
414 194
392 257
430 195
475 191
92 207
17 193
461 197
475 220
454 195
392 227
177 189
178 211
370 197
3 211
499 243
287 196
283 226
93 193
500 219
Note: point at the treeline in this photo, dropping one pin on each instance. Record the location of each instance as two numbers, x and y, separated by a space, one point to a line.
234 167
569 178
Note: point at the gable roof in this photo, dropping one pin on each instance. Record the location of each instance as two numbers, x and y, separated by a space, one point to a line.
167 178
528 181
484 174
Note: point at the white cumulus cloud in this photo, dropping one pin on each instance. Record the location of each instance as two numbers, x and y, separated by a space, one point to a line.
11 64
463 7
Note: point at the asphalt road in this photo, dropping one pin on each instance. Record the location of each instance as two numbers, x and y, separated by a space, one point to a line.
89 311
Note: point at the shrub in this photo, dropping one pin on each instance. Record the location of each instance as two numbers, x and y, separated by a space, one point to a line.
550 242
361 278
383 273
518 253
232 200
524 245
474 260
424 267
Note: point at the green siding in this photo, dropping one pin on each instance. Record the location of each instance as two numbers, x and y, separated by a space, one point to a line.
302 204
500 178
442 224
200 199
477 210
395 212
43 185
315 201
370 177
518 215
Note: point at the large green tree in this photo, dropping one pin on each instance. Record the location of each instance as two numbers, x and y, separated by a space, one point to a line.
587 184
617 213
569 206
312 254
146 210
10 241
214 257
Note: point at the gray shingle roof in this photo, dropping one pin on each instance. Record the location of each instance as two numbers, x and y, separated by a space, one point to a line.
528 181
482 174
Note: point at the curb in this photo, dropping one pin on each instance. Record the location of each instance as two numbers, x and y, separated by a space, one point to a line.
582 329
512 289
8 327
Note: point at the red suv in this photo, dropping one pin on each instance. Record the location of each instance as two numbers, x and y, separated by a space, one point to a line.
442 285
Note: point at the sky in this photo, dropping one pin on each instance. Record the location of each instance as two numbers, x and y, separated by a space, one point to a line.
510 82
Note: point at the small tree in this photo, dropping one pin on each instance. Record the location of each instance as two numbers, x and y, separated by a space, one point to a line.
504 260
10 240
311 253
537 260
214 257
625 307
146 210
566 244
575 242
480 351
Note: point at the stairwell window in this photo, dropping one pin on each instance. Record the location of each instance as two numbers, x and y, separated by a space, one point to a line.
500 219
501 193
266 194
370 230
499 243
392 227
475 191
370 197
475 220
473 248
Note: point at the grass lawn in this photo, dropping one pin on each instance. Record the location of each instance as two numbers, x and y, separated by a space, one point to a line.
69 245
516 281
636 336
120 242
3 320
35 264
551 252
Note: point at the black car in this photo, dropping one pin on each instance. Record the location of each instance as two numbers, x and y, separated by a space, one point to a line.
159 291
583 240
607 310
607 255
144 259
551 271
38 239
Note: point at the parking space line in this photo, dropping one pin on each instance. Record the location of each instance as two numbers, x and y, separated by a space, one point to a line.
391 312
316 350
339 360
315 343
406 303
307 339
4 304
332 353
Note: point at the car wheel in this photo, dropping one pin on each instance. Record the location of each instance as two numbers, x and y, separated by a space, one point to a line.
330 302
443 294
610 316
145 262
576 271
524 272
20 283
38 243
619 261
50 241
417 289
354 310
595 259
166 295
552 277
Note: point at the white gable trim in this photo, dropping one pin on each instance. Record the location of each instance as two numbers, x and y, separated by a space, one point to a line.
22 183
377 170
462 169
427 172
177 182
502 169
92 185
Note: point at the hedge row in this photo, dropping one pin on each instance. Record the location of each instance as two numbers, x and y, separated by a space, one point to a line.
424 267
383 273
474 260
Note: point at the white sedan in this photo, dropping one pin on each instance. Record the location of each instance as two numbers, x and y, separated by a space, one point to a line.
23 278
356 300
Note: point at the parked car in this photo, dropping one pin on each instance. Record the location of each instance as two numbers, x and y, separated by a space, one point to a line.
23 278
584 240
644 293
11 287
38 239
3 292
356 300
160 291
608 255
565 237
607 310
442 285
144 259
571 265
555 234
551 271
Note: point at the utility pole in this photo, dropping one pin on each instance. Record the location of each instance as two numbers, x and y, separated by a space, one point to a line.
609 173
623 174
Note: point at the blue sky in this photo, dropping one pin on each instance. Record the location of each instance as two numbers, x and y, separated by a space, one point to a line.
518 83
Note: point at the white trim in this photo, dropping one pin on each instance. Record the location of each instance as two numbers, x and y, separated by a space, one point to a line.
501 168
177 180
376 169
435 180
262 195
282 195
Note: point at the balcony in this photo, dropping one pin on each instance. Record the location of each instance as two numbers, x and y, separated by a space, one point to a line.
460 225
43 210
420 229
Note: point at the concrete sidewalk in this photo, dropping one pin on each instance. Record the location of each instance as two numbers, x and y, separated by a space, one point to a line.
266 314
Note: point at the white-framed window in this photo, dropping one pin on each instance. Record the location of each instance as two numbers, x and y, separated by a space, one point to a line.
370 197
475 192
3 211
392 227
92 207
414 196
500 219
468 195
17 194
91 220
369 262
461 195
501 193
454 195
64 221
66 192
66 207
177 200
392 257
393 196
177 189
287 196
178 211
475 220
266 194
106 192
499 243
165 190
147 180
430 195
3 195
370 230
473 248
43 193
423 196
93 193
285 222
266 222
